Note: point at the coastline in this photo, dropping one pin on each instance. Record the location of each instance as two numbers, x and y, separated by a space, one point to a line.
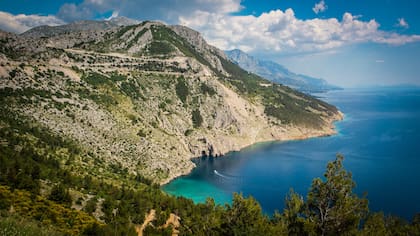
303 160
329 130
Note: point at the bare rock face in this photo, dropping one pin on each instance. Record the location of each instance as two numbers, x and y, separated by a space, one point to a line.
194 38
146 98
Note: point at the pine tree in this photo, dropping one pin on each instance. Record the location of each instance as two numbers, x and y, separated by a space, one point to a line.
292 214
244 217
332 208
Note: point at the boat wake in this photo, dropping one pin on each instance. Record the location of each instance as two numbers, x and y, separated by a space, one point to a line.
227 178
221 175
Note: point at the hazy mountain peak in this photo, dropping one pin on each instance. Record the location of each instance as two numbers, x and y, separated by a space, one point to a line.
82 25
122 20
77 26
278 73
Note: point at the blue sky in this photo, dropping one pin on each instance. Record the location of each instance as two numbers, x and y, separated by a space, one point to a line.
349 43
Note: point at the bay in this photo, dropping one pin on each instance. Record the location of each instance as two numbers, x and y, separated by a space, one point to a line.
379 137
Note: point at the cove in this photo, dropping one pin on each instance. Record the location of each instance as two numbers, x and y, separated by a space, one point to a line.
379 137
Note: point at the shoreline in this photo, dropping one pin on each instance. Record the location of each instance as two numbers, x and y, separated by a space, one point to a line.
332 130
351 133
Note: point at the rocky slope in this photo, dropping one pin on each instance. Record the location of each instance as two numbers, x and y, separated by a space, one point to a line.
144 99
278 73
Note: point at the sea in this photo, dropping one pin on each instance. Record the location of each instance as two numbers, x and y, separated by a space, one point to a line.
379 139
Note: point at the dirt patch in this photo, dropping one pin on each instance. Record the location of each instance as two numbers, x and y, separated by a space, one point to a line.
174 221
148 219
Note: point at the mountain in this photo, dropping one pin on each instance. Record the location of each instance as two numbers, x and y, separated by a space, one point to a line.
123 21
278 73
143 98
78 26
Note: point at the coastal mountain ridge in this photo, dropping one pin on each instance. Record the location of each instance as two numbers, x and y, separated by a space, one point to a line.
279 74
142 99
77 26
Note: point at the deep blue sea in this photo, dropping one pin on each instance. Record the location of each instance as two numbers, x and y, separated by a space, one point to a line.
379 137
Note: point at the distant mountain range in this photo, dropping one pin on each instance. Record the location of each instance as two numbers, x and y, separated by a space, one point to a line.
279 74
79 26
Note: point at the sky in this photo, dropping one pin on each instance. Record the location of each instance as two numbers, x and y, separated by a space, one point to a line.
350 43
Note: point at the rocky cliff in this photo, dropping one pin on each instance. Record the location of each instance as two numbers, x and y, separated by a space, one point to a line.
144 99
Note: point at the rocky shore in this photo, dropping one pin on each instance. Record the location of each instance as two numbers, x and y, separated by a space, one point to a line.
219 146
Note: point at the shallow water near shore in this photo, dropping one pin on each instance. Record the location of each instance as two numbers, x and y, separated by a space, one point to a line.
379 137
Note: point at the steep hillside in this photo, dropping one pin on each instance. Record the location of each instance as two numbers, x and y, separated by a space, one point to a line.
142 100
278 73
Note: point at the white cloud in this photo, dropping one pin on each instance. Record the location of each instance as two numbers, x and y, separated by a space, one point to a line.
71 12
163 10
114 15
380 61
271 32
279 30
402 23
21 22
320 7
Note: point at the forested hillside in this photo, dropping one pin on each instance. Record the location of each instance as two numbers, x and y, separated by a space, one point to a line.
86 206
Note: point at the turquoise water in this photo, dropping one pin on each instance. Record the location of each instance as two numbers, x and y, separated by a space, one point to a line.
380 139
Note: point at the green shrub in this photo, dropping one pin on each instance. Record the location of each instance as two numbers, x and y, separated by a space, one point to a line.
104 99
130 89
197 119
95 79
188 132
162 105
46 212
160 48
90 206
13 73
205 89
15 225
60 194
117 77
182 90
141 133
